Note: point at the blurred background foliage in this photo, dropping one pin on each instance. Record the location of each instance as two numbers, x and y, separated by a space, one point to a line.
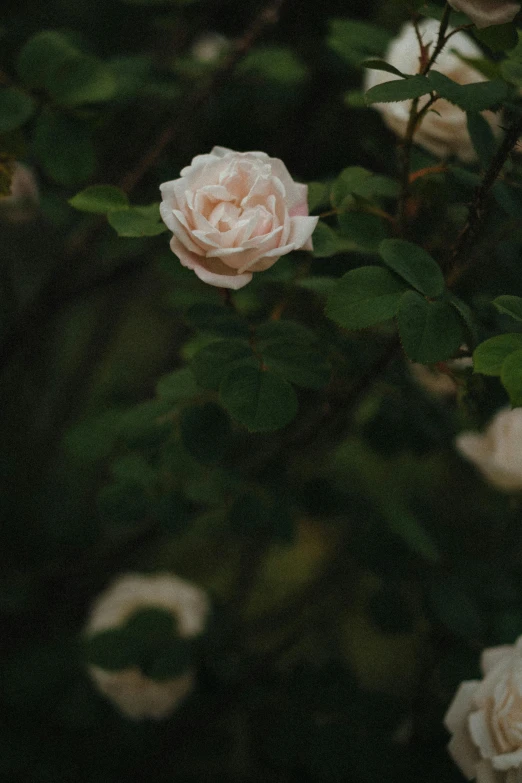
356 565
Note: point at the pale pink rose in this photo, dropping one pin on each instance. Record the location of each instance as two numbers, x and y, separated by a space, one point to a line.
485 13
485 719
235 213
443 131
136 695
496 452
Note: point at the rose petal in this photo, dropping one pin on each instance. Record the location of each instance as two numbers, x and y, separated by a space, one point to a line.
481 734
486 13
505 761
492 656
463 751
486 774
301 231
461 705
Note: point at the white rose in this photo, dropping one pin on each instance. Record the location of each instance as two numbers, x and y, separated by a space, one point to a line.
485 718
485 13
437 382
136 695
497 453
443 131
235 213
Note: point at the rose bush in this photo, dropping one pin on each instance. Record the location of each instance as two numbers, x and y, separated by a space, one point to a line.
235 213
443 131
485 718
136 695
485 13
497 453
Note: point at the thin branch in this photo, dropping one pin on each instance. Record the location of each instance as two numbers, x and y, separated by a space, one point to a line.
478 207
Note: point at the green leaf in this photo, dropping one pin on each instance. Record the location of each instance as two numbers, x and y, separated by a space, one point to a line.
397 90
364 230
205 432
429 331
299 363
355 41
99 199
318 195
382 65
275 64
414 265
469 97
364 297
174 660
41 56
134 468
108 650
511 305
498 38
511 377
137 221
325 241
511 70
482 137
357 181
123 503
284 329
260 400
490 355
15 108
212 363
216 319
82 79
64 148
178 385
466 314
151 626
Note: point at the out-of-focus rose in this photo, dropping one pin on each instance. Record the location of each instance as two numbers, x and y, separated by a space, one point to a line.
437 382
485 13
208 47
443 131
235 213
136 695
485 719
20 204
497 453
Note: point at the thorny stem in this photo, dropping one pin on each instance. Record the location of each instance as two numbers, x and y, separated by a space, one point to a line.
478 206
416 116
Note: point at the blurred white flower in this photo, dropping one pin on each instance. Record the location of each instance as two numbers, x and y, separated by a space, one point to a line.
20 204
485 719
136 695
443 131
485 13
497 453
209 47
437 382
